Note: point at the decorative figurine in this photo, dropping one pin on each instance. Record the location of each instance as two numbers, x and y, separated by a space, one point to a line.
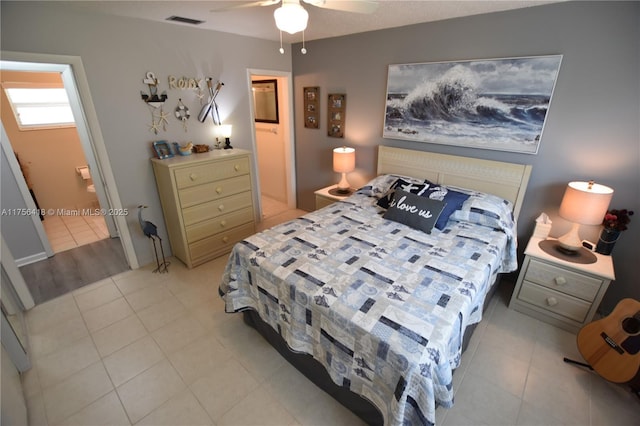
151 231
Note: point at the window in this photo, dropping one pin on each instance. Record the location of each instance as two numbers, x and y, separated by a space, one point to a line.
39 107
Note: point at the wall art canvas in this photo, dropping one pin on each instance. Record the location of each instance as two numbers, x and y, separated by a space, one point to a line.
499 104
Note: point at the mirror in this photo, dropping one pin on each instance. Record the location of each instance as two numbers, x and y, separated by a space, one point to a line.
265 100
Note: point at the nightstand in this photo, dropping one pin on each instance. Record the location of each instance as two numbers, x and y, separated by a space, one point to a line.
324 196
559 292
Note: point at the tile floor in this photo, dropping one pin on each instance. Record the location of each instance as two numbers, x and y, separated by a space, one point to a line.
272 207
67 232
158 349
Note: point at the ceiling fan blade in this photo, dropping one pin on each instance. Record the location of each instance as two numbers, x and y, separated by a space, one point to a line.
357 6
246 5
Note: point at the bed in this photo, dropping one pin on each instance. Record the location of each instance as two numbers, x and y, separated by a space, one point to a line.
374 311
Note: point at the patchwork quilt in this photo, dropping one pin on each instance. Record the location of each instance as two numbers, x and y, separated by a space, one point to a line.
382 306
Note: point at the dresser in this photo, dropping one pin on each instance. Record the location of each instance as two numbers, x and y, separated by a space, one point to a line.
559 292
207 201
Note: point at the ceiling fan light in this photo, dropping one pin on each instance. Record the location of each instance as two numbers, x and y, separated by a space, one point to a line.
291 17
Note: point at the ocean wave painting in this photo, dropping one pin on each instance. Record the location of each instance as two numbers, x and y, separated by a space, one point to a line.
499 104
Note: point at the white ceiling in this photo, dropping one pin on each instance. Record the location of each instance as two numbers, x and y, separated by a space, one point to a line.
323 23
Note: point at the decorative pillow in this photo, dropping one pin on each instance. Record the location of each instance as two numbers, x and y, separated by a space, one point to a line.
413 210
453 201
412 186
379 185
487 210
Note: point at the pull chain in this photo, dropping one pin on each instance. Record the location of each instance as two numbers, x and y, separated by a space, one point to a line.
281 48
304 49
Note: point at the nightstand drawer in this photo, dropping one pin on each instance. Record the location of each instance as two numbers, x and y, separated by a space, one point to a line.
554 301
563 280
196 175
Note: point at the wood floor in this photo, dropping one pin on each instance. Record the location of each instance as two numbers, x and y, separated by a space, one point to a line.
74 268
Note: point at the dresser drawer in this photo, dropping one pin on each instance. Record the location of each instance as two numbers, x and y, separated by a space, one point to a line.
554 301
218 244
197 175
213 190
219 224
216 208
563 280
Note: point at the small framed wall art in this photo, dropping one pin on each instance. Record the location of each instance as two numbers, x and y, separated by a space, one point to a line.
311 107
336 111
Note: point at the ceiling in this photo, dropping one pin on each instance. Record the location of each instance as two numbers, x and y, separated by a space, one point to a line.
323 23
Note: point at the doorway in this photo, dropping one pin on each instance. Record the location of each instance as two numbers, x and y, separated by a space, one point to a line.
53 165
273 142
77 88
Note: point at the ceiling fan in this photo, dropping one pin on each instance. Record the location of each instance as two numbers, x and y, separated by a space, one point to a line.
291 17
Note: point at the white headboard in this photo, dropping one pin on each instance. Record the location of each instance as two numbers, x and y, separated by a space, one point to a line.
506 180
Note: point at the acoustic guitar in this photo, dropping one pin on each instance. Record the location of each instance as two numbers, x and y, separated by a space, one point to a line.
611 345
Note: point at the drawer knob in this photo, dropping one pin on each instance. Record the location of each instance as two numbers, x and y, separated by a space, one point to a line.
552 301
193 176
223 223
236 167
221 207
219 190
560 280
225 239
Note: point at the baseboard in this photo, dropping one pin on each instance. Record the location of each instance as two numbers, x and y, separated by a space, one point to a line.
31 259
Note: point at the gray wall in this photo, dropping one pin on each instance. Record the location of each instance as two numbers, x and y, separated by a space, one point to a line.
116 54
592 131
592 128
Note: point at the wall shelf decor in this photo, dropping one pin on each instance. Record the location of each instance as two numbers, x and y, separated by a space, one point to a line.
312 107
499 104
336 111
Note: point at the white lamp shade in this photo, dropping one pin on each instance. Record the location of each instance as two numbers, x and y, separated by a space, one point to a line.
225 130
585 202
291 17
344 160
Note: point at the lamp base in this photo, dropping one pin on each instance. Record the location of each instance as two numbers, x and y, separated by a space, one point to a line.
567 251
227 144
341 192
582 256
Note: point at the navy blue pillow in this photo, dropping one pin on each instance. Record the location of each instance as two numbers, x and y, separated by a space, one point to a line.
453 201
414 211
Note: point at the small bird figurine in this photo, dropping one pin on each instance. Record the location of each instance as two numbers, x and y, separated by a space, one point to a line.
151 231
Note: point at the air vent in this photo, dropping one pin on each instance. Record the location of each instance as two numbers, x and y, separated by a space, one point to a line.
184 20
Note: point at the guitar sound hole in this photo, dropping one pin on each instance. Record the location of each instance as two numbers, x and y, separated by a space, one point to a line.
631 325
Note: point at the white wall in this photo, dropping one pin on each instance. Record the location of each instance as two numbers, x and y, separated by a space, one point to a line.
116 54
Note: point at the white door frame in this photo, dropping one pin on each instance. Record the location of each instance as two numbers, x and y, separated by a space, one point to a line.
289 151
77 87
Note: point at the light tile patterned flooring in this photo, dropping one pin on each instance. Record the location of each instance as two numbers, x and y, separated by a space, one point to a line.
67 232
158 349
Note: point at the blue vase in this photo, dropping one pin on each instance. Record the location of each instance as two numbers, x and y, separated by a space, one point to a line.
607 240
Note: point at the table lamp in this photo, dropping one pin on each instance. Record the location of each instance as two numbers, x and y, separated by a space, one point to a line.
344 161
584 203
225 132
